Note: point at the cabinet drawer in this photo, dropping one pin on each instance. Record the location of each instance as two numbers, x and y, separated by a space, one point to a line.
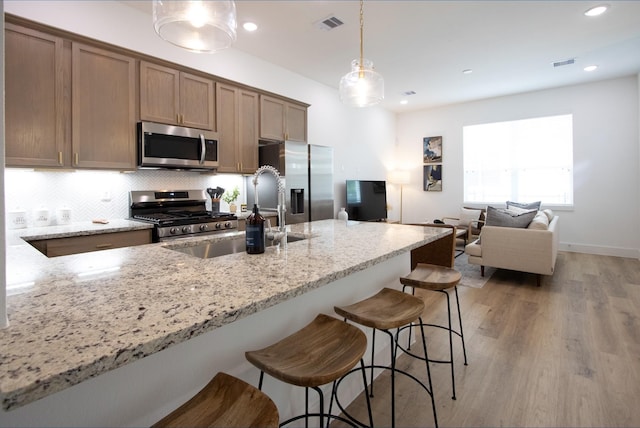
84 244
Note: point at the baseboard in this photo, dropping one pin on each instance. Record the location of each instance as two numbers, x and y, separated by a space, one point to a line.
631 253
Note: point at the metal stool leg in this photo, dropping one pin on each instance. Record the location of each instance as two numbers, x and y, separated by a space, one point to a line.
464 349
453 378
426 360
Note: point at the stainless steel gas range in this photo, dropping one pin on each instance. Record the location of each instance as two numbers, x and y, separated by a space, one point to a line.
178 213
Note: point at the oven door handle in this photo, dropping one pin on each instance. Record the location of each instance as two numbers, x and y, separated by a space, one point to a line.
203 149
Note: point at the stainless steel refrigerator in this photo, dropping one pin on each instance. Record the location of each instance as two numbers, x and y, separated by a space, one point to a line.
307 171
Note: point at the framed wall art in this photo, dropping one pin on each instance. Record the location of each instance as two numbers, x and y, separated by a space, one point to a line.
432 178
432 149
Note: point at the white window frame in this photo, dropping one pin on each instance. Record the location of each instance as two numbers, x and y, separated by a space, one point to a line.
522 160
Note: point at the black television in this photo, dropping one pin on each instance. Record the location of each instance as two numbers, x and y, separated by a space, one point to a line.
366 200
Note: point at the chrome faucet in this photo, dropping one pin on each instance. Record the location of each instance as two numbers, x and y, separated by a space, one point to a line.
281 234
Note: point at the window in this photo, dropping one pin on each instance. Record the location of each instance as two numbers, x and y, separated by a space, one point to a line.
523 160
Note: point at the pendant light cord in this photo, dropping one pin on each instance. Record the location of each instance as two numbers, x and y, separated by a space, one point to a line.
361 39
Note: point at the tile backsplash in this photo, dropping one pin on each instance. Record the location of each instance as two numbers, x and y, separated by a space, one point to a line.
88 195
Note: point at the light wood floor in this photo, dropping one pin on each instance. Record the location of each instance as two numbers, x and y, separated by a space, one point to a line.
566 354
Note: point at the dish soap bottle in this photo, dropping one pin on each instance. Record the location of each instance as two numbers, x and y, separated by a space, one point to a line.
255 232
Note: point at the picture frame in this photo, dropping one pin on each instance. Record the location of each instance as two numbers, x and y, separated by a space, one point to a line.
432 150
432 178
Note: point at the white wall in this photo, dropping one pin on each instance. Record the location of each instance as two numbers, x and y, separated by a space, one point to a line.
604 219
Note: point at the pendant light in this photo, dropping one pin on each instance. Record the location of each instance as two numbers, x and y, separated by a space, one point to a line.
203 26
362 86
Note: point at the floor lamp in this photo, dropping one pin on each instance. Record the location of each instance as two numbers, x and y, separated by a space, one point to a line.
400 178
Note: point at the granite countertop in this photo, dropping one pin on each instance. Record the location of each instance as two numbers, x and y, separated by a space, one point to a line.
75 317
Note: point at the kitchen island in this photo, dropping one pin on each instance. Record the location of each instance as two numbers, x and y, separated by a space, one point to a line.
121 337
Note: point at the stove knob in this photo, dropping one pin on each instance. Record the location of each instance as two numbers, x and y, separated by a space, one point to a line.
173 230
218 225
204 227
227 224
186 229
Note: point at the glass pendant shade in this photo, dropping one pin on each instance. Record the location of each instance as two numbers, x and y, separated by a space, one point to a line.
362 86
197 25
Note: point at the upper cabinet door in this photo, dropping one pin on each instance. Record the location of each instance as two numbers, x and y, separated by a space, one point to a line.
281 120
227 112
34 103
296 122
176 98
237 113
248 131
271 118
103 109
159 93
197 102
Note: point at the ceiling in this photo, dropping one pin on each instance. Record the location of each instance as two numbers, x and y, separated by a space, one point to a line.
423 46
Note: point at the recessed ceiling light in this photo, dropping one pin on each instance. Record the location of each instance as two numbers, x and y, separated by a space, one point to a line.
467 71
590 68
403 102
250 26
596 10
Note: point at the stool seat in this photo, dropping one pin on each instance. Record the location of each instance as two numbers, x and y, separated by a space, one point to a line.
319 353
432 277
226 401
386 310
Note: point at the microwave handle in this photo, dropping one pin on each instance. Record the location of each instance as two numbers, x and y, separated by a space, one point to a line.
203 149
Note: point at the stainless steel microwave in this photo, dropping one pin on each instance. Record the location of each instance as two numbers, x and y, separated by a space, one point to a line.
176 147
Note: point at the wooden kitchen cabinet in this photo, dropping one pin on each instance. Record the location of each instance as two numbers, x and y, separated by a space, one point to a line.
282 120
67 104
84 244
237 118
175 97
34 98
103 109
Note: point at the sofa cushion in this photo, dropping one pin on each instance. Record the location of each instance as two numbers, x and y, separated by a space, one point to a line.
539 222
549 214
526 206
507 218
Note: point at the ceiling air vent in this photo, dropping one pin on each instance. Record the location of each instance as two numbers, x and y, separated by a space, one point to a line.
328 23
565 62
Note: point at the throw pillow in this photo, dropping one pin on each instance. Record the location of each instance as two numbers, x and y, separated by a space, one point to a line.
549 214
468 215
539 222
526 206
507 218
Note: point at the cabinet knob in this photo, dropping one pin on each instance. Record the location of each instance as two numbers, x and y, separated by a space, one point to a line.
59 158
76 158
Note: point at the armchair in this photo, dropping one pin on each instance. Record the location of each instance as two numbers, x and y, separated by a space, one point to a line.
470 220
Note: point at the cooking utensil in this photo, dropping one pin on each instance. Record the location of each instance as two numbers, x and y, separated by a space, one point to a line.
215 193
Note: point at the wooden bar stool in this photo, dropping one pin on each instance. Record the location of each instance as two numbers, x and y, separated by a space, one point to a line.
226 401
439 278
318 354
386 310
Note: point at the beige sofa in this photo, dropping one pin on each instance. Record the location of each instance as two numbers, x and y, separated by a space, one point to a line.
524 250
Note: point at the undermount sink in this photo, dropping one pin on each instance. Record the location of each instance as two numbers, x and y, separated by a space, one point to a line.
210 249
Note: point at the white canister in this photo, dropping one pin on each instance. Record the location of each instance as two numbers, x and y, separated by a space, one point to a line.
343 215
17 219
41 217
63 216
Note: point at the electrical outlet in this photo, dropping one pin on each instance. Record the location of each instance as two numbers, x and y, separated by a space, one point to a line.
106 196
